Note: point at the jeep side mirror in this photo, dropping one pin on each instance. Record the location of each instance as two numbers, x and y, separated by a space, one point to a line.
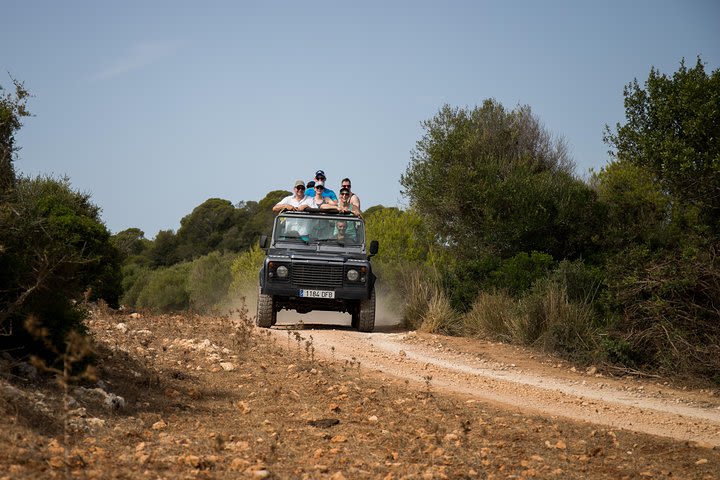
374 245
263 241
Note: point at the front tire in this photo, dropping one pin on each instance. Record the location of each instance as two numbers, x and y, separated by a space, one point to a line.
366 316
266 314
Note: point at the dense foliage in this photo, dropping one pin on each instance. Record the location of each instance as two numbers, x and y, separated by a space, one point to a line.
672 131
622 268
662 195
56 252
494 181
191 269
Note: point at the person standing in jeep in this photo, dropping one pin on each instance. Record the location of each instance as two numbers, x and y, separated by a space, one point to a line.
297 202
327 193
354 199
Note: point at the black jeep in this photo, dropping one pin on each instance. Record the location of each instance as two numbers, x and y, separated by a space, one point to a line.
318 261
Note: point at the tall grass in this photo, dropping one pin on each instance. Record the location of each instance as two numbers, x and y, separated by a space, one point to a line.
491 316
544 318
417 290
425 306
553 323
439 316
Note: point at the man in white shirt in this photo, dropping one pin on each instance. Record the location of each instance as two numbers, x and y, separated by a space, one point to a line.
295 202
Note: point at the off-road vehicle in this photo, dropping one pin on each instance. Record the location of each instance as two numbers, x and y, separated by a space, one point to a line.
317 261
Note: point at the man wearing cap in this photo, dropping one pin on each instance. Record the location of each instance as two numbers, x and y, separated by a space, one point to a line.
327 193
297 201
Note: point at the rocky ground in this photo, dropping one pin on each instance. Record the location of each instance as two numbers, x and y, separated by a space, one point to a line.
210 397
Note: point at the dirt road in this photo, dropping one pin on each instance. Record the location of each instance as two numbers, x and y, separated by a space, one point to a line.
211 397
518 378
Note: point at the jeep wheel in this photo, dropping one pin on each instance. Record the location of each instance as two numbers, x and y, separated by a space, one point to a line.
266 314
366 316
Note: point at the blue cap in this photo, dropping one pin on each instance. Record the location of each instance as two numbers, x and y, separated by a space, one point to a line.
320 173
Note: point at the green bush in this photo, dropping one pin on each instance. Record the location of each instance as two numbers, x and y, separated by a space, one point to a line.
56 254
666 305
582 282
166 289
135 279
463 279
209 281
517 274
245 271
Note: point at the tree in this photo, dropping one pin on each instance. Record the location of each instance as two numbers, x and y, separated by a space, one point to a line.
260 217
130 242
203 230
492 180
672 129
164 249
637 211
12 109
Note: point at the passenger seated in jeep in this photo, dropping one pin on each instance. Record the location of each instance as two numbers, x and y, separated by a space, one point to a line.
344 235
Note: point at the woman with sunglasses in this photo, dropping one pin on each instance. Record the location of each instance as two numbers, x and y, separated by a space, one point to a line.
319 200
345 205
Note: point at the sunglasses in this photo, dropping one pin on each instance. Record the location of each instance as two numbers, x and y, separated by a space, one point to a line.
341 228
344 194
299 188
346 185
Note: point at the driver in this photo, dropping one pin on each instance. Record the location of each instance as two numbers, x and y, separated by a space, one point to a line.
341 226
343 235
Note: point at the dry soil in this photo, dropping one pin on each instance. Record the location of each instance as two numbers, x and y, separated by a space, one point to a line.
189 396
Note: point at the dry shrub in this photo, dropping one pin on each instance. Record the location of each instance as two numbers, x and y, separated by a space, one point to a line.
668 302
491 316
439 316
549 320
417 291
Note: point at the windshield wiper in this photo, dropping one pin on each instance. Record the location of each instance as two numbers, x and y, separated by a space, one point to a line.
293 238
329 240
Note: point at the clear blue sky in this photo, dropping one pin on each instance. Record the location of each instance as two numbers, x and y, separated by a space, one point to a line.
155 106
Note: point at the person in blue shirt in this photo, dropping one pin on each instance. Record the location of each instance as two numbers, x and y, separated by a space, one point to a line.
327 193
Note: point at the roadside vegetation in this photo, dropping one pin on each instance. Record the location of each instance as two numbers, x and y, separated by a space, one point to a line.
622 268
502 239
55 251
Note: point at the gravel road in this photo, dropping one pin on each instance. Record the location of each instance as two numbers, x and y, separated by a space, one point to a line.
516 378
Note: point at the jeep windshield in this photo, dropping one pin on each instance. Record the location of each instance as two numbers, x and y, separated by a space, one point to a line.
314 230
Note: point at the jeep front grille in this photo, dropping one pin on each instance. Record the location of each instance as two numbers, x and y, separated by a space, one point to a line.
317 276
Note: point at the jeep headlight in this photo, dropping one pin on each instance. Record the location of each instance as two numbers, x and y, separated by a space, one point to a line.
353 275
282 271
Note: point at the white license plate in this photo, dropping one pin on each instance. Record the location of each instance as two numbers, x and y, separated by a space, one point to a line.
317 293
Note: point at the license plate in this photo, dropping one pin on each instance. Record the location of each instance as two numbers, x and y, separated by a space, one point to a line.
317 293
